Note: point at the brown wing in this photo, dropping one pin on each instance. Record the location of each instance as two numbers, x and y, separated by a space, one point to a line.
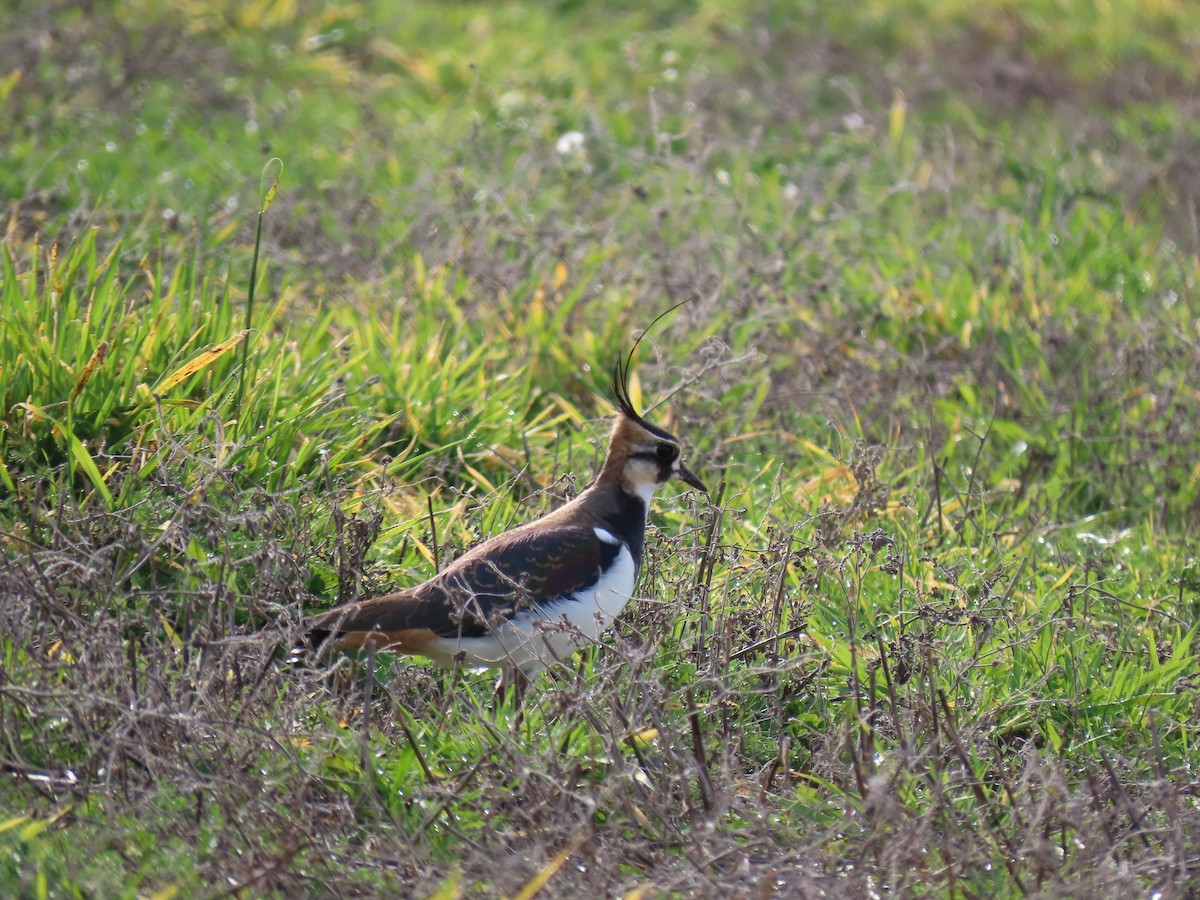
491 583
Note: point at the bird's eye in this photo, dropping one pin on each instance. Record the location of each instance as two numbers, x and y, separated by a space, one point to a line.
667 452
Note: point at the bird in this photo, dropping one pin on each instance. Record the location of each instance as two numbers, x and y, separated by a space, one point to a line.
527 599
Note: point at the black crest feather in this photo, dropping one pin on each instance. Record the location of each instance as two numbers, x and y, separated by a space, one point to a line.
621 371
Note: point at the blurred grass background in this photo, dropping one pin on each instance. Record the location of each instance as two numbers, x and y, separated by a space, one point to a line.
936 633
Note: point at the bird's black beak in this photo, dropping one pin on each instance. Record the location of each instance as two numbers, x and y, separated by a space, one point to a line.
687 476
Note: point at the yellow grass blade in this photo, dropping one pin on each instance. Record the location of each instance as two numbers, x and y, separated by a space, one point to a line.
201 361
10 824
539 881
85 376
172 634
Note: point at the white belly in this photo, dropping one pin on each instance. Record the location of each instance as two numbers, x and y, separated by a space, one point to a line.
541 636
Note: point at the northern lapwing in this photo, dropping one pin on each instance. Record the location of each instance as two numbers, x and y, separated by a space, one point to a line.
532 596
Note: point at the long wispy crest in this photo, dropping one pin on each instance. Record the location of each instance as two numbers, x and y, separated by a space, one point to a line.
621 371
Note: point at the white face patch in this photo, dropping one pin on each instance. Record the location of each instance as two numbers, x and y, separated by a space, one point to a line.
646 492
642 477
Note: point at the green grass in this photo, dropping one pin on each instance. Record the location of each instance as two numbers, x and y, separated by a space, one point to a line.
934 634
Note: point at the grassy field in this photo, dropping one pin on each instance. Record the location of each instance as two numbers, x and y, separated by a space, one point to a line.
933 634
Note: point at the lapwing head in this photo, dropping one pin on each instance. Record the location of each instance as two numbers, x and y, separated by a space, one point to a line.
643 457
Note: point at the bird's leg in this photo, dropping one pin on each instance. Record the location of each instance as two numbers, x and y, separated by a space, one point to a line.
514 681
520 683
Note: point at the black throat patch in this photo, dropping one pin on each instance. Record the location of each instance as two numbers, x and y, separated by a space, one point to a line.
627 521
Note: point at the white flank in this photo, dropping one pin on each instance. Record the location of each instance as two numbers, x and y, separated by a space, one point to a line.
607 536
536 638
